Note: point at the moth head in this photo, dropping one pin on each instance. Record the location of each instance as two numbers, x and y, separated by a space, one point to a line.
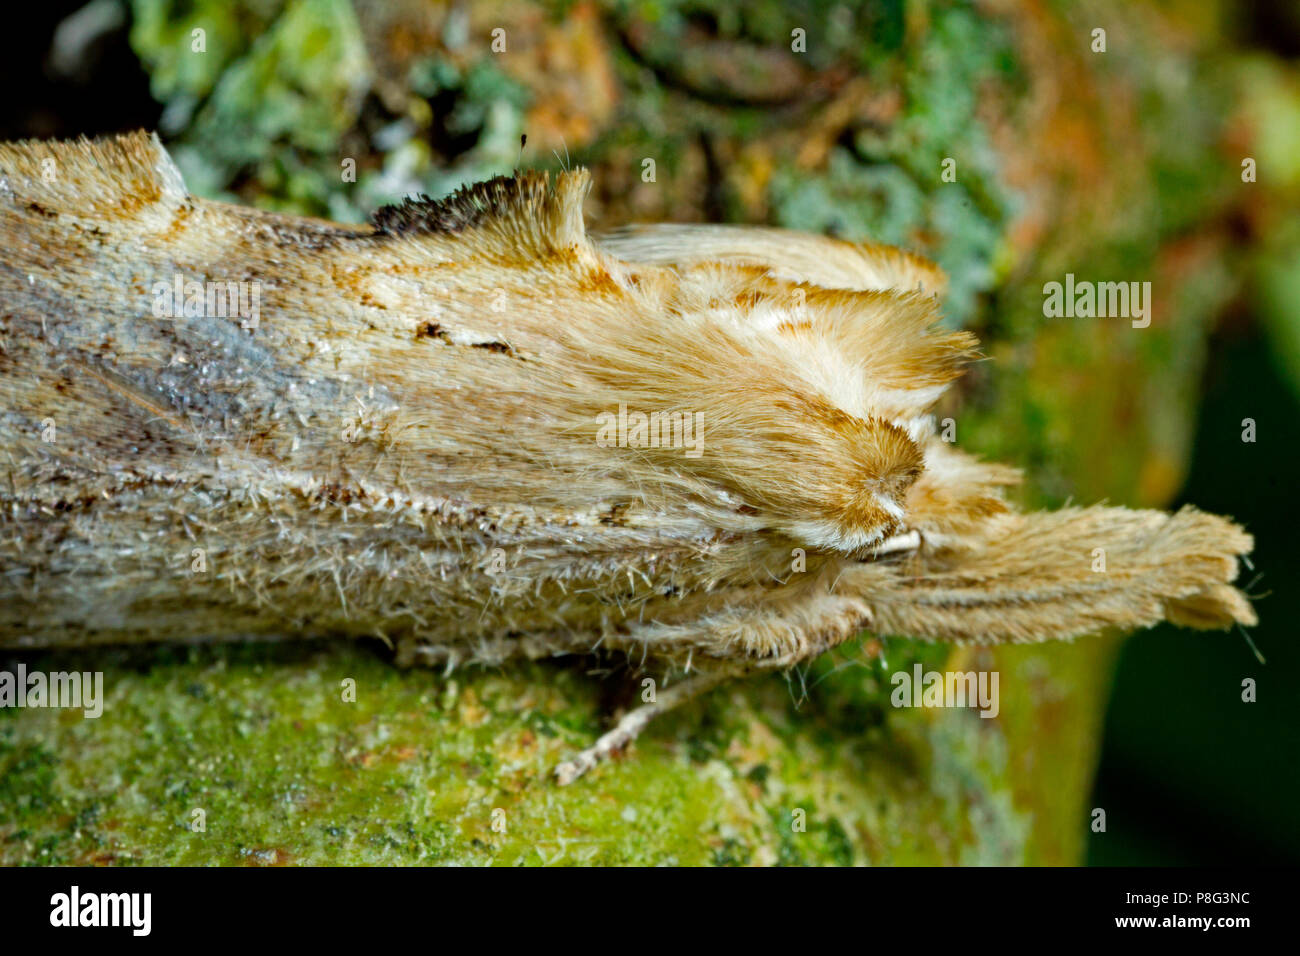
855 498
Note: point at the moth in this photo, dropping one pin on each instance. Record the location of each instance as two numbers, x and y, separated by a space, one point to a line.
477 432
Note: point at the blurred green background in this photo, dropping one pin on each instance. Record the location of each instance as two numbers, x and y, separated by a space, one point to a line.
1197 776
1122 164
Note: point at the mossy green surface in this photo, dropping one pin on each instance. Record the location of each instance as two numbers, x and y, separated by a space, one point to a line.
252 755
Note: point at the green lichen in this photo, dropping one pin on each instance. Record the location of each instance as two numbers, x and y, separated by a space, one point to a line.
890 186
258 89
283 769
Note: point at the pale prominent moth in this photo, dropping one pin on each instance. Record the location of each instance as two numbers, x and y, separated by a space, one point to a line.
477 432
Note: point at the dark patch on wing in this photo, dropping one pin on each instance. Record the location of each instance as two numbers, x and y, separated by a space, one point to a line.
494 347
301 236
432 330
284 232
616 515
93 231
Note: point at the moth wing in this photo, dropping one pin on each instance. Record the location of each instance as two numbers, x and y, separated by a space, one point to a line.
785 254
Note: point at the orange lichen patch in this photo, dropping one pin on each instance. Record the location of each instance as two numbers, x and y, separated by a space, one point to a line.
1055 154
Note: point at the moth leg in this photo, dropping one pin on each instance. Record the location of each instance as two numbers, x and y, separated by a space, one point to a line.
771 632
633 722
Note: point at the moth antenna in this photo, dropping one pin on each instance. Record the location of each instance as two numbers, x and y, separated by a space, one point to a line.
1251 644
564 163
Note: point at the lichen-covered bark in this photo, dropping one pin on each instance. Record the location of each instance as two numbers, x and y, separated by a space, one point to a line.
1123 165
